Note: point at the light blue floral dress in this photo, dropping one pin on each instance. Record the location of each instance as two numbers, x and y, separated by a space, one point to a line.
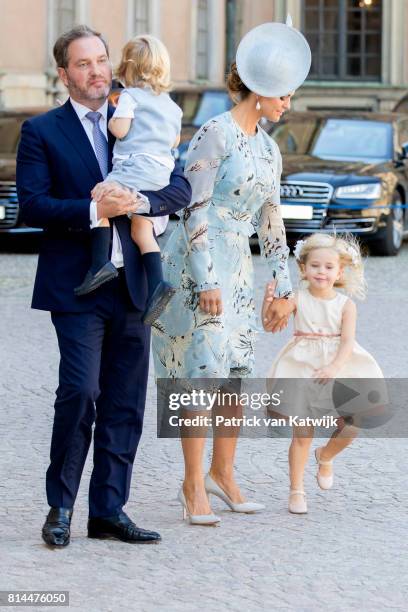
235 182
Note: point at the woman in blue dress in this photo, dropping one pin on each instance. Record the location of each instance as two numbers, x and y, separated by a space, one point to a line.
208 329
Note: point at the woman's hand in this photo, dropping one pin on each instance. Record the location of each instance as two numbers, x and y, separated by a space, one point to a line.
267 301
211 302
275 311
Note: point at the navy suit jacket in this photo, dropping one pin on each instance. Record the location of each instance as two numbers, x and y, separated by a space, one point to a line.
56 171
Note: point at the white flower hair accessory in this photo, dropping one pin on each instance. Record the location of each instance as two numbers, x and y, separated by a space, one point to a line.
298 248
353 254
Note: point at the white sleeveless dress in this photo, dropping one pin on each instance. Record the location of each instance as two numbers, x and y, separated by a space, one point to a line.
302 354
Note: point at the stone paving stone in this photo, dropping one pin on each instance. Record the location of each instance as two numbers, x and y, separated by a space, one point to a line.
346 554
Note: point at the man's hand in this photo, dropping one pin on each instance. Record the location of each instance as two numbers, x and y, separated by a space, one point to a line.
275 311
211 302
116 202
102 189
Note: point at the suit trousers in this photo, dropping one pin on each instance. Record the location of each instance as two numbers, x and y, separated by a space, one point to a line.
104 362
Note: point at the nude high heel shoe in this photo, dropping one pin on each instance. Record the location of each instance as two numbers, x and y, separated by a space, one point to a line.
196 519
214 489
299 506
324 482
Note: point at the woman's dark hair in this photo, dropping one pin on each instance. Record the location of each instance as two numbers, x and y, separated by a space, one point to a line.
236 88
61 46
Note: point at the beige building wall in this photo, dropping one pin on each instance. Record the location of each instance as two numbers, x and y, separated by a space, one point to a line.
176 17
27 32
110 18
256 12
23 25
19 48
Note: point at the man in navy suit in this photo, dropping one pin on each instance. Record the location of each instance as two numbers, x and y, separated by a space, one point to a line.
104 346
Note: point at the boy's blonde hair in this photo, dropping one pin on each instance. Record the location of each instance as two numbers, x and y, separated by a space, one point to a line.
145 61
351 261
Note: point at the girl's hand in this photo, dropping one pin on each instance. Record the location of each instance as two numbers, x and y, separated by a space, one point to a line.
211 302
323 375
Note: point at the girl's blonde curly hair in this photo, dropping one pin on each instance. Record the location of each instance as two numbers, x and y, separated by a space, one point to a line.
145 61
351 261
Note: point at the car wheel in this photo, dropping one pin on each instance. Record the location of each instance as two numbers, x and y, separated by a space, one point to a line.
390 237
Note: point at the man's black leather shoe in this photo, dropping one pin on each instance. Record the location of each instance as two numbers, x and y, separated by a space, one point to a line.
93 281
121 527
57 527
157 303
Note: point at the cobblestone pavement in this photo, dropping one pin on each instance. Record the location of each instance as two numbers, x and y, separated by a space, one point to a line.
346 554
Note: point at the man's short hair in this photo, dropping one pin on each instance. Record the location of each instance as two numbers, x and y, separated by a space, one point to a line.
60 50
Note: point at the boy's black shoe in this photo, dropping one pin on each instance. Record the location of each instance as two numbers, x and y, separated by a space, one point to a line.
158 302
93 281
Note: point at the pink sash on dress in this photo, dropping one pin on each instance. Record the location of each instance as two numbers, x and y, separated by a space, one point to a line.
314 335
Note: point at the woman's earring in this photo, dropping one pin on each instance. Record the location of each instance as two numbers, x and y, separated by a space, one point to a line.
257 106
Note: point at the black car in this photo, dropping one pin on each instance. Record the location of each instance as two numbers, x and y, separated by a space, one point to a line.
198 106
10 127
345 172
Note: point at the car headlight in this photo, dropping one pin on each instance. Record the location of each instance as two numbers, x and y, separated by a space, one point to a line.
363 191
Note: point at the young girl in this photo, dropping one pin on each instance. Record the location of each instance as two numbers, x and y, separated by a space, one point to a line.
147 126
323 348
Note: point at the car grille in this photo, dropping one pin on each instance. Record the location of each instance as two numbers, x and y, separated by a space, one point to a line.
305 192
356 225
8 199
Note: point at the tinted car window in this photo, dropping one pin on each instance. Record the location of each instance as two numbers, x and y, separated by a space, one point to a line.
354 140
189 106
294 137
9 135
212 103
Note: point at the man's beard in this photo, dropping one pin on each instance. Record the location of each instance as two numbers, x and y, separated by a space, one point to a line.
91 93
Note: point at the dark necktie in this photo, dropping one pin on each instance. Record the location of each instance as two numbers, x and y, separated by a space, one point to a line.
100 142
